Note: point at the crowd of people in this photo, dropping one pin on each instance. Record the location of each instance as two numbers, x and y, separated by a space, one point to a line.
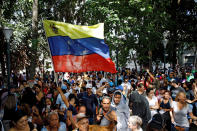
91 101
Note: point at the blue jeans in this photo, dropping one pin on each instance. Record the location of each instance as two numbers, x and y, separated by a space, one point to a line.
186 128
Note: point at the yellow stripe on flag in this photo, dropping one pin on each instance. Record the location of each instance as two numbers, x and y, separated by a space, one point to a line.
54 28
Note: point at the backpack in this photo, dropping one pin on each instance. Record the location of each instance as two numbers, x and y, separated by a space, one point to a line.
157 122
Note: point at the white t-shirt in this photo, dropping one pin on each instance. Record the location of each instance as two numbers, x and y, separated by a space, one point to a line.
94 90
127 84
152 103
180 116
128 87
77 89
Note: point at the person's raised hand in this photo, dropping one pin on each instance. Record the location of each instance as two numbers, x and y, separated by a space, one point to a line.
147 70
35 111
59 89
98 117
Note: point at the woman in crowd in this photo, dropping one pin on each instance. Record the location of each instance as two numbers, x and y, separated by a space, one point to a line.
54 96
10 106
53 123
20 122
180 111
49 106
36 117
152 100
39 93
165 108
39 96
135 123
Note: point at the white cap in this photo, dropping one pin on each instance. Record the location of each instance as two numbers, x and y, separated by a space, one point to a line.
89 86
81 116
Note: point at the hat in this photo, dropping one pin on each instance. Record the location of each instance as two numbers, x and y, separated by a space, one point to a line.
171 71
173 80
119 88
159 77
126 77
80 116
111 84
64 87
189 78
89 86
110 90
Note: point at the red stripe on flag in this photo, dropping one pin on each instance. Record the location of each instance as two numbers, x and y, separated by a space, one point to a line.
76 64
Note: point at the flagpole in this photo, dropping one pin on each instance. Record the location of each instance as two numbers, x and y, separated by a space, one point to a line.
56 79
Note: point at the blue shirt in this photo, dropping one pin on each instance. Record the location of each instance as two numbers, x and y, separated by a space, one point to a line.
60 102
90 102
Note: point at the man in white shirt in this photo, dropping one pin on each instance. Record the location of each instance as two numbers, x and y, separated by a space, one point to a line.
126 86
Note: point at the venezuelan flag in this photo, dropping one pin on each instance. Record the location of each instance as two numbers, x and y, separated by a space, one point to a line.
77 48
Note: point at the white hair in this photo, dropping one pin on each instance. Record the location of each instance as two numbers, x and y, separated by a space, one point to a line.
52 113
136 121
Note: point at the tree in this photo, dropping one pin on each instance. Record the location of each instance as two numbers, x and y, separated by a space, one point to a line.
29 40
33 49
134 24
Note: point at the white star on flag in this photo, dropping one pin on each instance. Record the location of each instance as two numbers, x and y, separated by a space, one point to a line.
85 52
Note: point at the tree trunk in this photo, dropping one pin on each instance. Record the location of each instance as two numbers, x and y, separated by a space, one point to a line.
2 55
34 56
134 60
2 65
195 58
150 60
174 56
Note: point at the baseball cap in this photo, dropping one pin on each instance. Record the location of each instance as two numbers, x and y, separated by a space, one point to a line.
89 86
64 87
111 84
110 90
126 77
173 80
119 88
80 116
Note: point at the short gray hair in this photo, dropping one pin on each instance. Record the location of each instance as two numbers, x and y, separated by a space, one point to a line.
50 114
106 97
136 121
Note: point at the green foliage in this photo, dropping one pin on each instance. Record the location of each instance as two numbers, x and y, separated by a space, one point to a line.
134 24
129 25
